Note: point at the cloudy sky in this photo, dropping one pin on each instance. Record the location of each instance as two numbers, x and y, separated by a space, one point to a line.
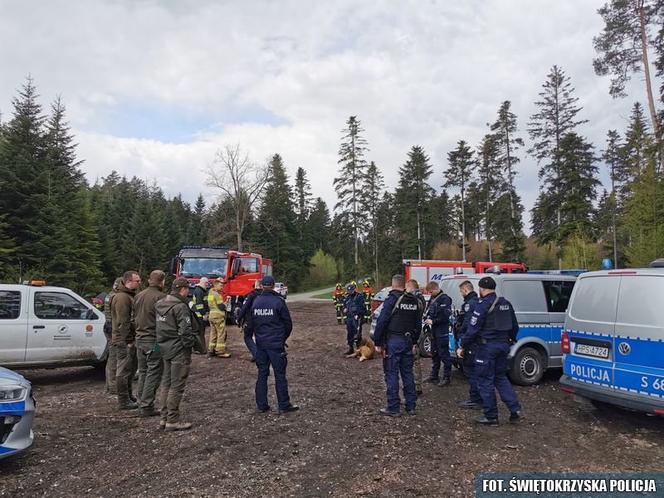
154 88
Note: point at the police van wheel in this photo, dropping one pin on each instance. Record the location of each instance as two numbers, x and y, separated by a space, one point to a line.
527 367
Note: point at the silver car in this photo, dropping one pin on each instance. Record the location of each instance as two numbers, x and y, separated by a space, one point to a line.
17 412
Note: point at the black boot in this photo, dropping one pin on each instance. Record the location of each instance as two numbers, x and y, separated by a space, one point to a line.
350 351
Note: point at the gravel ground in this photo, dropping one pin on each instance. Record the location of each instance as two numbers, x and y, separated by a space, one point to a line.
336 445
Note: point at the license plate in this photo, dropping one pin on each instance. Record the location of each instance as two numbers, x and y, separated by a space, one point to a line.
595 351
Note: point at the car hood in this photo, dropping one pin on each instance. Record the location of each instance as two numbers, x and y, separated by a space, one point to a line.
7 377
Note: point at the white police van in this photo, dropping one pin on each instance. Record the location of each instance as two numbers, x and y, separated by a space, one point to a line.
540 302
44 326
613 342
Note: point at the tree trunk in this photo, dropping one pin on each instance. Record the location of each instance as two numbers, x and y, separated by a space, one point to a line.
238 228
646 72
463 225
419 245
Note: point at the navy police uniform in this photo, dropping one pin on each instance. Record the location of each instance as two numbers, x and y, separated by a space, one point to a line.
493 326
243 319
397 329
354 306
439 311
470 301
271 325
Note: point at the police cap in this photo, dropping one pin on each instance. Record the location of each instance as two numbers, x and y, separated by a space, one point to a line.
267 281
350 287
487 283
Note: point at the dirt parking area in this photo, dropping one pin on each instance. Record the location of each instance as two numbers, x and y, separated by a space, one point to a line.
337 445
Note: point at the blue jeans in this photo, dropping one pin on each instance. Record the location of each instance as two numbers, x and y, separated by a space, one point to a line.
278 359
441 354
491 371
398 360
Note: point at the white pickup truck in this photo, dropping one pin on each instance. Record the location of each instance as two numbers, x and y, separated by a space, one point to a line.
44 326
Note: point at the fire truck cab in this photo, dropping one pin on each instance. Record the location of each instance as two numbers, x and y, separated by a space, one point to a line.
239 270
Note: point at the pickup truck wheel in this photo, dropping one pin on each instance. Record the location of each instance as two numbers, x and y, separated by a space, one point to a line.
527 367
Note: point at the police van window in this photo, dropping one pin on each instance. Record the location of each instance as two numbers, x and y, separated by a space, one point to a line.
10 305
595 299
558 294
59 306
249 265
525 295
634 306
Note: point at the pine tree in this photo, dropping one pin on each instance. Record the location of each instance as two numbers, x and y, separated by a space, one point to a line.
458 175
624 44
555 118
348 185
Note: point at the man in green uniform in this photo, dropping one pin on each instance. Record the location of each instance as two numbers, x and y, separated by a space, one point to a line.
175 338
150 365
123 337
111 360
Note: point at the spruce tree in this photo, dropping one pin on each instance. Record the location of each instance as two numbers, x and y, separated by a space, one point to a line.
318 226
277 218
413 201
490 181
508 144
611 202
374 186
348 185
556 116
458 175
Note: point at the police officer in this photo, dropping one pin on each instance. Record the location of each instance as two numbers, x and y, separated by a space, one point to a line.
396 333
470 300
112 360
243 318
176 338
493 327
150 365
437 316
413 287
354 311
198 299
272 325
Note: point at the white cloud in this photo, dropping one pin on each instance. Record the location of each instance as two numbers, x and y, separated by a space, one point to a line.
427 73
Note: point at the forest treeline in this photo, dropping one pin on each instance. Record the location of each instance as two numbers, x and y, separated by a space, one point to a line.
55 225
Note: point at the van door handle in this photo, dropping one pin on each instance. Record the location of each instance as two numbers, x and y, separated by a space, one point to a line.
39 326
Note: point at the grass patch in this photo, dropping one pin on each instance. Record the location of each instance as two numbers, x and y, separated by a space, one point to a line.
326 295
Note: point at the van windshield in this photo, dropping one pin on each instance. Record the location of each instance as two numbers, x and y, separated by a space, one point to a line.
203 267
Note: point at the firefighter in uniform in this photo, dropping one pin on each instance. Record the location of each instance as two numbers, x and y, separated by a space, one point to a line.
198 301
176 338
150 365
217 318
112 360
397 331
470 301
437 317
354 311
493 326
338 296
367 292
243 319
413 287
272 325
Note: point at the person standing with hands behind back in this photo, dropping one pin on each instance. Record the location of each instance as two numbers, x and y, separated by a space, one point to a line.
272 325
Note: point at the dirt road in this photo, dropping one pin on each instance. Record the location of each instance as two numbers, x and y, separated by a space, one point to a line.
336 445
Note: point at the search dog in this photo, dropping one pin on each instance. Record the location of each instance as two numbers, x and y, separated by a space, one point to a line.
365 351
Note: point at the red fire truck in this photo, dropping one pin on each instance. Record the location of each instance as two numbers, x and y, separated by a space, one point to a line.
238 269
425 271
